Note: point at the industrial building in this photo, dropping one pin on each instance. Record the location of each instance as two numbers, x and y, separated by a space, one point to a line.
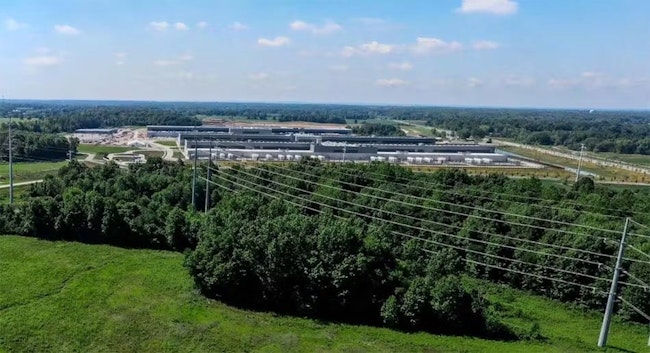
290 144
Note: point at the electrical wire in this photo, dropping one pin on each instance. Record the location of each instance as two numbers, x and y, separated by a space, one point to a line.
536 200
410 236
470 207
433 222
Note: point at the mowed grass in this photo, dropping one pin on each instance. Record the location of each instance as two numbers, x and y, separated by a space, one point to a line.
71 297
605 173
168 143
90 148
25 171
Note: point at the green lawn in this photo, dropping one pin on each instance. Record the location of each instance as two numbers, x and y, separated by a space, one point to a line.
169 143
29 171
71 297
605 173
88 148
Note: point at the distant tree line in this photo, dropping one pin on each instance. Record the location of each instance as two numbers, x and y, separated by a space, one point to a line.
369 129
258 252
620 132
600 131
29 146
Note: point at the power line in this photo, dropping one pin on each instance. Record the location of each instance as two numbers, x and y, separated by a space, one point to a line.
484 210
451 225
429 187
434 208
423 229
434 222
422 239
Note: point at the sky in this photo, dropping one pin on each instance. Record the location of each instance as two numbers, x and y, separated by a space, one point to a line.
498 53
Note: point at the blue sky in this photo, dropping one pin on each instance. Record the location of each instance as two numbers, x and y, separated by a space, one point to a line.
513 53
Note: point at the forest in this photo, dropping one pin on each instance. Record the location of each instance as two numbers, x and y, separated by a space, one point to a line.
375 129
375 244
30 146
620 132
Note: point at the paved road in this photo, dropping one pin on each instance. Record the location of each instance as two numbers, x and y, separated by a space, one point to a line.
6 186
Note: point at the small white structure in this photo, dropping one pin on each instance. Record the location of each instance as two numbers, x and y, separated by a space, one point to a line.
138 143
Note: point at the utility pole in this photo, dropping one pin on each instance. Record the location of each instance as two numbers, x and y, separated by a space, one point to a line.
607 319
11 165
207 183
196 152
582 148
345 147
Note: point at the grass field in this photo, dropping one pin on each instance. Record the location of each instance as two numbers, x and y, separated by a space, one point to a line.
606 173
151 154
169 143
29 171
88 148
71 297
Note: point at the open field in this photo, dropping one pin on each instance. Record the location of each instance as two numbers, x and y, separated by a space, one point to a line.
29 171
151 154
89 148
605 173
168 143
66 297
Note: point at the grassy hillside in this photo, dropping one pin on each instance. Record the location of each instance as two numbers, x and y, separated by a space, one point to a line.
66 297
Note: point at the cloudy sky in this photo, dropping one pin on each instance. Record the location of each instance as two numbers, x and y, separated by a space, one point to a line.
533 53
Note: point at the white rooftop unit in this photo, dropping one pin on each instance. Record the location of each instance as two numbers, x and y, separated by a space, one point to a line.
289 157
255 156
222 155
297 157
268 157
427 160
281 157
230 155
477 160
486 160
321 158
410 159
381 159
468 160
441 159
373 158
418 160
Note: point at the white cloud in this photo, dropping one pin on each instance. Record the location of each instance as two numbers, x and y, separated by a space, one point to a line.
275 42
370 21
390 82
159 26
42 61
373 47
435 45
495 7
165 62
238 26
172 62
591 74
13 25
474 82
258 76
404 66
561 83
67 30
327 28
519 81
202 25
120 58
485 45
180 26
338 68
